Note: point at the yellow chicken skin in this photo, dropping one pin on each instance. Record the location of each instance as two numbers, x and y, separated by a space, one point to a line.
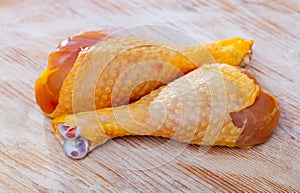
196 108
121 70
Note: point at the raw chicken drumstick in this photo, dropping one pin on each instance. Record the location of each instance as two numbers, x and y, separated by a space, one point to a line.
144 64
217 104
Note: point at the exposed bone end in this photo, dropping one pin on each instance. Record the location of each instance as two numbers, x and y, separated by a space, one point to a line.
246 60
247 53
75 146
68 131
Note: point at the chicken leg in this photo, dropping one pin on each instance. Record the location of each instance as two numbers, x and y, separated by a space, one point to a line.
217 104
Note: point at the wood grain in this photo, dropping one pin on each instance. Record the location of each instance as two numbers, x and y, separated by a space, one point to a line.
31 160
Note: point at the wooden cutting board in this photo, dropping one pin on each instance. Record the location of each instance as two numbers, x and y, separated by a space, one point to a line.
31 160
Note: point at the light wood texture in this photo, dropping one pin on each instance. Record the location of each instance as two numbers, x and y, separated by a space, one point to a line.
31 160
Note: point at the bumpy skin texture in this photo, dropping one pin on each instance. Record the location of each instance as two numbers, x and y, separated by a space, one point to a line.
197 108
122 70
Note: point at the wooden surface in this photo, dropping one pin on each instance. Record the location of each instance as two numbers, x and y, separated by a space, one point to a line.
31 160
